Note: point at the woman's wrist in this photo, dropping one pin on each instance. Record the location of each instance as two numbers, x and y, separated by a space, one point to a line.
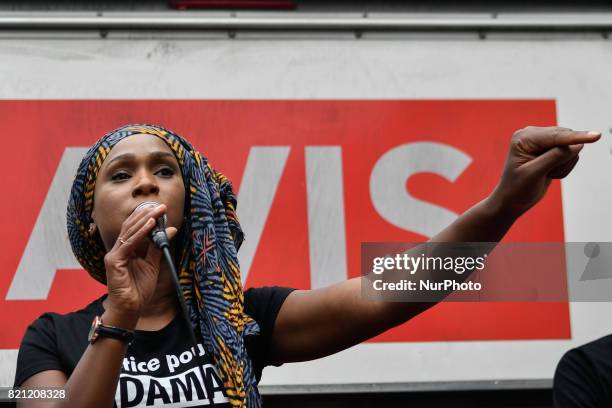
122 320
500 206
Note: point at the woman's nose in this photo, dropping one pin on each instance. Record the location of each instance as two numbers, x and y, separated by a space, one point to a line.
146 185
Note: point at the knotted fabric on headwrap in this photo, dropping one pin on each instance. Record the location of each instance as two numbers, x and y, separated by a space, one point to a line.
208 268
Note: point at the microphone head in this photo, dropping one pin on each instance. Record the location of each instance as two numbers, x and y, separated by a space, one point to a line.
161 221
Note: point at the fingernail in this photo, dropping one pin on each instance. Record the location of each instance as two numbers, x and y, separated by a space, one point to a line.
594 133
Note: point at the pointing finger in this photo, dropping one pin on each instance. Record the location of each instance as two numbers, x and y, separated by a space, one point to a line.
540 139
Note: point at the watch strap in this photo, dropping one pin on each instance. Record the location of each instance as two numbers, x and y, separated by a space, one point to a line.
124 335
99 329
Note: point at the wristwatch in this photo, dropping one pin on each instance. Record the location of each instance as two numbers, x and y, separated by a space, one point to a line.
99 329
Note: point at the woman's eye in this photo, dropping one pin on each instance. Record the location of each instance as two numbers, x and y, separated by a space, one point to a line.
117 176
166 171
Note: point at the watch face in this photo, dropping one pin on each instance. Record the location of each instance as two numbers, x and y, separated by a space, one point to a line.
92 331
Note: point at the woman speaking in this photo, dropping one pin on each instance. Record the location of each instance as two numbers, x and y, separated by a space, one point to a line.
133 347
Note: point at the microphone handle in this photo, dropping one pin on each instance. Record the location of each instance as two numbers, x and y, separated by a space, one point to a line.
160 238
181 298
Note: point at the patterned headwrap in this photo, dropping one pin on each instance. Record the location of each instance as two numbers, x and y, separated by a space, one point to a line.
207 264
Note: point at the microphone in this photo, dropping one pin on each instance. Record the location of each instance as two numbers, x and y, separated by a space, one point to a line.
158 233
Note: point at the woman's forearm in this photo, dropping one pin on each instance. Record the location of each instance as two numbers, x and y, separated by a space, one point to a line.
94 380
487 221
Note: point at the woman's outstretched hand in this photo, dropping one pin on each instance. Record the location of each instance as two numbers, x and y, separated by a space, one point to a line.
537 155
132 266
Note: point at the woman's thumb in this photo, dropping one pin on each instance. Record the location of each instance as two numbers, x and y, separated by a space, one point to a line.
555 157
171 232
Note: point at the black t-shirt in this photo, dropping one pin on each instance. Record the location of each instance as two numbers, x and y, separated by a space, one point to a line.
584 376
159 368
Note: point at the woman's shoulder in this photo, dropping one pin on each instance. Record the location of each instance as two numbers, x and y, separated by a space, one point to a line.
43 330
84 314
264 302
263 305
54 341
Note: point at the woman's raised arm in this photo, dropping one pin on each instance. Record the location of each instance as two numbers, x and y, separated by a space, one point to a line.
316 323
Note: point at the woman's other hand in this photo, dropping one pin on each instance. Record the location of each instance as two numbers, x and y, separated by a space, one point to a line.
537 155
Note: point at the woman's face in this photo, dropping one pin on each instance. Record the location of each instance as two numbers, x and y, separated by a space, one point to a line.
139 168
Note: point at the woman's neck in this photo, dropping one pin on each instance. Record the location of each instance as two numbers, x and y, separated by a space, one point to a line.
163 306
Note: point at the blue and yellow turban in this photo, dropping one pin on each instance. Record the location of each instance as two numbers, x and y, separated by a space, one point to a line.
207 261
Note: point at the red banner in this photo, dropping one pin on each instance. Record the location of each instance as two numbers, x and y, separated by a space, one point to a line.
468 139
